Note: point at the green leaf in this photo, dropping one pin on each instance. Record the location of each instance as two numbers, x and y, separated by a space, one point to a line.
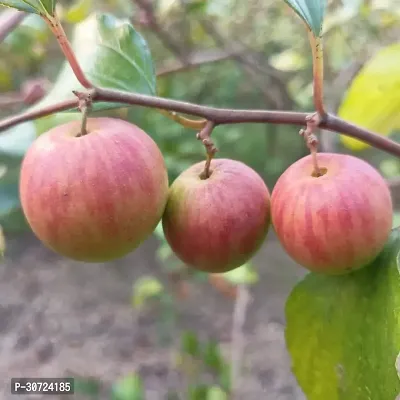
128 388
12 218
390 167
173 395
16 141
343 333
164 251
312 12
396 219
78 11
112 55
242 275
46 7
87 386
373 99
197 392
2 243
190 343
9 198
216 393
212 356
145 288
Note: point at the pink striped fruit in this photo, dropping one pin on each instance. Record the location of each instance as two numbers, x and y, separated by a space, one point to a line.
217 224
335 223
95 197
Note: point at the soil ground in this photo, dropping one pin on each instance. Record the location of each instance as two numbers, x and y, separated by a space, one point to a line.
58 316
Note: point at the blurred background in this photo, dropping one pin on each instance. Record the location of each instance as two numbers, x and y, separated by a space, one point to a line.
145 326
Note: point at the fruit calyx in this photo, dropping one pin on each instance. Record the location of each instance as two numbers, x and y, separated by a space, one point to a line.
321 172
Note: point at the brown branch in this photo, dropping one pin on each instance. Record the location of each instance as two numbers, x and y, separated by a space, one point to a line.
163 35
279 98
9 20
218 116
58 31
10 99
195 60
242 302
337 87
35 114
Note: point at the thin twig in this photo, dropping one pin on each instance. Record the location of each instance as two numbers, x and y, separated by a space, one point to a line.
337 87
35 114
9 20
218 115
252 69
58 31
195 60
10 99
237 343
318 72
162 34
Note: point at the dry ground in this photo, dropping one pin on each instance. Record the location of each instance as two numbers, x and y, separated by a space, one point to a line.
58 316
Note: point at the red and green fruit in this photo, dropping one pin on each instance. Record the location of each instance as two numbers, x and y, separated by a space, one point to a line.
94 197
217 224
334 223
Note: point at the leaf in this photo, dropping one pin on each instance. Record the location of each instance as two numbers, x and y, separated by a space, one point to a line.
2 243
190 343
78 11
212 356
87 386
15 142
46 7
311 12
373 99
112 55
390 167
9 197
396 219
216 393
145 288
164 252
242 275
343 333
128 388
288 60
197 392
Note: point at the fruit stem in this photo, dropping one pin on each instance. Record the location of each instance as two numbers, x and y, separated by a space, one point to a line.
85 106
206 173
205 136
312 122
317 171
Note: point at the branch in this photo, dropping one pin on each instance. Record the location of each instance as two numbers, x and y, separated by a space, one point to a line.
337 87
58 31
10 99
318 72
279 98
237 345
9 20
195 60
163 35
218 116
35 114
